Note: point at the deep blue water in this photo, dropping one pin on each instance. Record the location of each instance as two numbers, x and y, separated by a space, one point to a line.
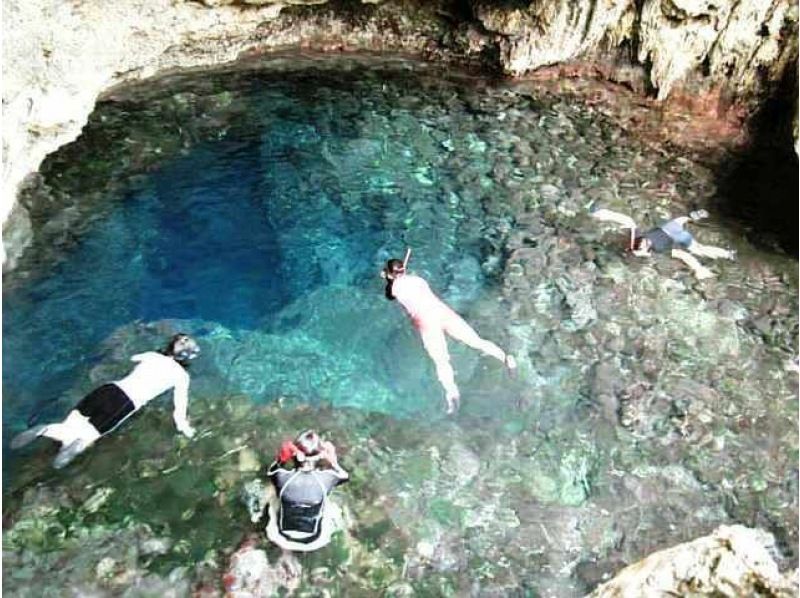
299 184
254 209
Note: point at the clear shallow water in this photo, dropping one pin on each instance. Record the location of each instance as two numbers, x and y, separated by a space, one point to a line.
255 208
289 199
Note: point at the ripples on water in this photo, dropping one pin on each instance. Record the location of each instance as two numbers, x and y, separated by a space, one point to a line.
255 208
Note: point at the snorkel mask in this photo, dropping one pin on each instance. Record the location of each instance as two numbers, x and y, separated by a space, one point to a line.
394 266
307 449
183 348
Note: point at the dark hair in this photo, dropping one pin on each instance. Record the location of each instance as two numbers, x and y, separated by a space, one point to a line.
308 443
170 351
394 266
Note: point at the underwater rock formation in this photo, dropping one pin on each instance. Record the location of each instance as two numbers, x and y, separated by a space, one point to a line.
732 561
251 575
60 57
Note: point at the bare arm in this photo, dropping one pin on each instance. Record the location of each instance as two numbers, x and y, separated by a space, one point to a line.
329 454
610 216
181 400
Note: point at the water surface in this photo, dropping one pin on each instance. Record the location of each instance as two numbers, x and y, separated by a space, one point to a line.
254 208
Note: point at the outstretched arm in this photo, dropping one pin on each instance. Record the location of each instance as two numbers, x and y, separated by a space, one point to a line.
181 400
610 216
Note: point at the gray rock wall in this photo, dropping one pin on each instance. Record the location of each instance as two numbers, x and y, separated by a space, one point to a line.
738 45
59 57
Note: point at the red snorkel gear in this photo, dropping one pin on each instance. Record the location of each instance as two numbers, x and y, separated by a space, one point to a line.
287 451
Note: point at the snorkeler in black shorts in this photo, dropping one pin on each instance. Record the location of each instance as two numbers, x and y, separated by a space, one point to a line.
107 407
671 237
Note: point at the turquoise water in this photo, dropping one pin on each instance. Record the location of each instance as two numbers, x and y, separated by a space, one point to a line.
283 219
254 209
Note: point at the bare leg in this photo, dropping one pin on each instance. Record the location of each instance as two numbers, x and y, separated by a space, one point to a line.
26 437
435 344
458 328
74 427
700 271
710 251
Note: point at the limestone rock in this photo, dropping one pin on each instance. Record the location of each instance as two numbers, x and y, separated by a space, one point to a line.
729 38
250 574
728 44
732 561
551 32
59 58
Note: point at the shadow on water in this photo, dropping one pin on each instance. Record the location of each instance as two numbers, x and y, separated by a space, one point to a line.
759 184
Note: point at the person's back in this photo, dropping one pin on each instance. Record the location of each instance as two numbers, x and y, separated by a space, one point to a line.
302 492
415 295
302 495
155 374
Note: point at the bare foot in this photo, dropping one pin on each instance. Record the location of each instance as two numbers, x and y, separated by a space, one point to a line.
453 403
511 365
703 273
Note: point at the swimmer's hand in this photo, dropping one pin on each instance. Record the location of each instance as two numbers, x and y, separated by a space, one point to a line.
511 365
328 452
186 430
453 404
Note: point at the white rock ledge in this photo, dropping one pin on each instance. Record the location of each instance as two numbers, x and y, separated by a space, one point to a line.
733 561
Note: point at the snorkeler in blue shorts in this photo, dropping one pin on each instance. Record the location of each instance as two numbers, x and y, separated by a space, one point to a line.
670 237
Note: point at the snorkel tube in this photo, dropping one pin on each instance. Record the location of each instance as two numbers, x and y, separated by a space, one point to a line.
392 268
